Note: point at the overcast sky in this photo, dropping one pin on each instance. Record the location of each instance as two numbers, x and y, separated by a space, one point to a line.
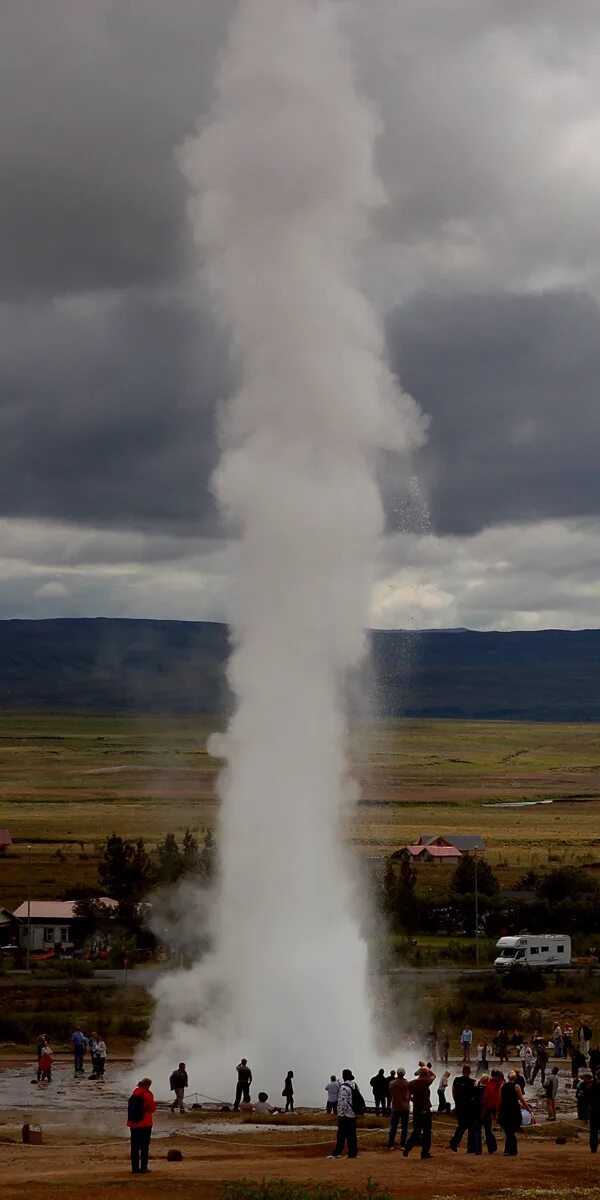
485 266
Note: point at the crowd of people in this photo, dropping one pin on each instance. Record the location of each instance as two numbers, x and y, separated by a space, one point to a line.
81 1044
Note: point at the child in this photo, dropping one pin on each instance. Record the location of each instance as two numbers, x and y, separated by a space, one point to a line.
46 1064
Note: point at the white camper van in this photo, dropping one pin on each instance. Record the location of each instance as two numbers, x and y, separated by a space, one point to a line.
533 950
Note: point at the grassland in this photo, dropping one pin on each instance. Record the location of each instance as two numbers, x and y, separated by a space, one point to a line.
68 781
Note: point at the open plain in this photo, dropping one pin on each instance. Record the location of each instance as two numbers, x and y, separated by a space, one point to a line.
66 782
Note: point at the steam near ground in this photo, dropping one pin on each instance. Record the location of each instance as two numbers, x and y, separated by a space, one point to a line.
284 183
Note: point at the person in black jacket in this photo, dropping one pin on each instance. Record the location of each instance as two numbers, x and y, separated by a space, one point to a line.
594 1111
380 1089
463 1089
178 1083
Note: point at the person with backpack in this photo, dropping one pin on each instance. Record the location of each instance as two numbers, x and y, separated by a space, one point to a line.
288 1091
178 1081
140 1109
419 1089
244 1079
350 1105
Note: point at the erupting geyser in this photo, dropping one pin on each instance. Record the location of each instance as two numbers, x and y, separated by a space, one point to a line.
285 184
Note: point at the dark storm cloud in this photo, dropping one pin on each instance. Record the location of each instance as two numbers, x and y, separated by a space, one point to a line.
110 374
107 411
511 383
96 95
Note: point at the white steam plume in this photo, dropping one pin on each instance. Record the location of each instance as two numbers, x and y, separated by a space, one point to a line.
285 184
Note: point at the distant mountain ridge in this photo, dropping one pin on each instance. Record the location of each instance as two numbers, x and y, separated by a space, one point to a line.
114 665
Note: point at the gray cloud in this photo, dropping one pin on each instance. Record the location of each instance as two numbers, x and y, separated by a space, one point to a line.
97 97
511 385
487 258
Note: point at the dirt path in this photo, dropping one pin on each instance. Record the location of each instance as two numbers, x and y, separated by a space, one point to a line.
75 1172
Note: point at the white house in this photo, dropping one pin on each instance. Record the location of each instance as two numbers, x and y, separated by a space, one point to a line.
51 924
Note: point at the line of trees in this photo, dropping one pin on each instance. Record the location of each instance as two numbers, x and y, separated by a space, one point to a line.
564 898
128 872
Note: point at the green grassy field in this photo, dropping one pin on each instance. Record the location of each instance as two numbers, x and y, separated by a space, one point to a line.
67 782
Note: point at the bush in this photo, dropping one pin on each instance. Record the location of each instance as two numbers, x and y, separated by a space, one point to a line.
525 979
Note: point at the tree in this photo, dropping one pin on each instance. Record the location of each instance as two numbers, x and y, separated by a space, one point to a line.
463 880
124 870
399 894
169 860
208 856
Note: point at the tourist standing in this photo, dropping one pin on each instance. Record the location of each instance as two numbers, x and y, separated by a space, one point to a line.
526 1056
466 1039
463 1089
585 1036
288 1091
443 1047
380 1089
333 1089
244 1079
594 1112
346 1131
419 1089
140 1110
178 1081
388 1083
45 1065
41 1044
482 1058
79 1043
489 1109
510 1114
444 1105
567 1039
541 1061
101 1053
551 1092
400 1108
557 1038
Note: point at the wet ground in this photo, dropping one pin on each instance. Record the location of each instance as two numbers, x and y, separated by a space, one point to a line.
85 1151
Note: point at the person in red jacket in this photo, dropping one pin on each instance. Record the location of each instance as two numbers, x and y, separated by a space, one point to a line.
140 1109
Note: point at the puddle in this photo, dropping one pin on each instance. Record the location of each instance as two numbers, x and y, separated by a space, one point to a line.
19 1089
514 803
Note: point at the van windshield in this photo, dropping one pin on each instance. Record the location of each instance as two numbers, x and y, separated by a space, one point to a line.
509 952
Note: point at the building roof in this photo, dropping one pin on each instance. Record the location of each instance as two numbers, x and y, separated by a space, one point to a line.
5 838
415 851
462 841
54 910
442 851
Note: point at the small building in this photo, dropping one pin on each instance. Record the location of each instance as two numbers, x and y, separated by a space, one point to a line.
51 924
5 840
9 928
430 853
449 855
467 843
